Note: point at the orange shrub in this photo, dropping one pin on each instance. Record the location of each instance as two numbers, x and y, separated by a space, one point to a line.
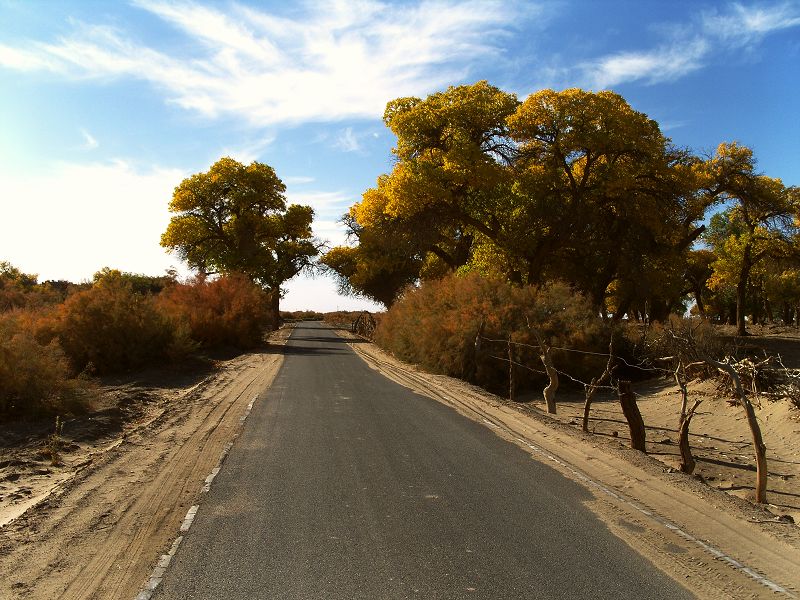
436 324
112 328
341 318
34 377
230 311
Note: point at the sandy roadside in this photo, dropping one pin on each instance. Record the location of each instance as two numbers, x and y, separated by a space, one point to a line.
101 529
716 545
96 528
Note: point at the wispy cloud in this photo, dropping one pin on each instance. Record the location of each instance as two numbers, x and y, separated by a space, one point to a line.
348 141
691 46
326 205
89 141
249 151
663 64
328 210
744 25
336 60
297 180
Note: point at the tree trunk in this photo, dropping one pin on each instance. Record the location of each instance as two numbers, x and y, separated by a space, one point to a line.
741 291
512 382
701 308
687 460
472 368
587 405
549 392
631 411
659 311
274 295
787 315
755 430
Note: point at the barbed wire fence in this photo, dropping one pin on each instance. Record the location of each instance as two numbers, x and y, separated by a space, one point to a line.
744 376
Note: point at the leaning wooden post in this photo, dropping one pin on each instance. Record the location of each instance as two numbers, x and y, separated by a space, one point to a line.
591 389
473 367
546 356
755 430
631 411
687 460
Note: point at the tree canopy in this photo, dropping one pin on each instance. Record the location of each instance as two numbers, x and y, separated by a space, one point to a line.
759 222
575 186
569 185
234 219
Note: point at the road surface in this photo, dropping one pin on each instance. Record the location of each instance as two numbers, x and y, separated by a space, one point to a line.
345 485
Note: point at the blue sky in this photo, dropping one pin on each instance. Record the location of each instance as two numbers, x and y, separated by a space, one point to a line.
106 106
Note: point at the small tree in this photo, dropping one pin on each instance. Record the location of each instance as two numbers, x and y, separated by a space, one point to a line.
759 219
234 219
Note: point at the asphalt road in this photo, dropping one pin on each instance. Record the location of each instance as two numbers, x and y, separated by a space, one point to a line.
344 484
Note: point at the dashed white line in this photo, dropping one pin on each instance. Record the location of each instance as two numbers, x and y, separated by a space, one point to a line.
158 572
189 519
160 569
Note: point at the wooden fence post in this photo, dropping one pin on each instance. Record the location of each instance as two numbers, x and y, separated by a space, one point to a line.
755 429
512 382
631 411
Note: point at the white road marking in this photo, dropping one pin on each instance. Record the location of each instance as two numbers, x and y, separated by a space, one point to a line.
189 519
158 572
160 569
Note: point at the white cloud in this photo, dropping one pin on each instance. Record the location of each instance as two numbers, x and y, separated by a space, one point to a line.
297 180
24 60
746 24
691 46
347 141
248 152
664 64
336 60
70 220
332 232
89 141
326 205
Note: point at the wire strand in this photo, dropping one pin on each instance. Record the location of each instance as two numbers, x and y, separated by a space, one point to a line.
603 354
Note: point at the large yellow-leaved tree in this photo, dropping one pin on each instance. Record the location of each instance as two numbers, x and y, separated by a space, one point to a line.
234 218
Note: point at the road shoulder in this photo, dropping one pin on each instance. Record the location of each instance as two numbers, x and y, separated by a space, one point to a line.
99 534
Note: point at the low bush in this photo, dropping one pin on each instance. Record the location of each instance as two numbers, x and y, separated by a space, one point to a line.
35 378
21 290
120 322
111 328
437 324
656 347
229 311
341 318
302 315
